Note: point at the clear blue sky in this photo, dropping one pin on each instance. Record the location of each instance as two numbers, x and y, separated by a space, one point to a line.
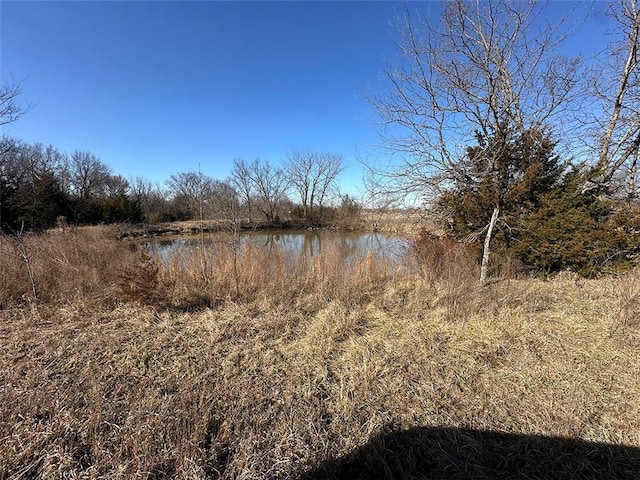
154 88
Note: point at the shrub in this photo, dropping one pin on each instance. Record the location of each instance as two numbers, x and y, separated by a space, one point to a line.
575 231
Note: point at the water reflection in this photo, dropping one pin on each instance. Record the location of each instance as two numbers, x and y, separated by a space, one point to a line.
309 243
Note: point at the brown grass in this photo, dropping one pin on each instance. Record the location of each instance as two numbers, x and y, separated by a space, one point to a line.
306 362
80 265
267 274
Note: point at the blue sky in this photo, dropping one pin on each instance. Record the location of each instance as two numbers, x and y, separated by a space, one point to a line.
154 88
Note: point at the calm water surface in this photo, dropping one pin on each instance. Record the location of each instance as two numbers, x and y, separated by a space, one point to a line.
354 244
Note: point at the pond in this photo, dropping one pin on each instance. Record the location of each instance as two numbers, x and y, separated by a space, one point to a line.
353 245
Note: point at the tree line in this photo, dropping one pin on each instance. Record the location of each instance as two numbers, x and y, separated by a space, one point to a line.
41 186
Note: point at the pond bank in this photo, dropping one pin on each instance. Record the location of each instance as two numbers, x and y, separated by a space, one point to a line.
400 223
195 227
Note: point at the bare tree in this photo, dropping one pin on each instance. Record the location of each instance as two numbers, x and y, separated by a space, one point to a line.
270 187
259 182
200 196
187 190
10 111
221 200
42 192
30 190
618 90
312 176
116 185
242 180
151 198
88 176
487 69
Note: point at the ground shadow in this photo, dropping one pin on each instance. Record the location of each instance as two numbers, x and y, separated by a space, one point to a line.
449 453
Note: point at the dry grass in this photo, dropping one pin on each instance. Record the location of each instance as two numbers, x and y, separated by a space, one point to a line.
268 274
79 265
403 222
306 362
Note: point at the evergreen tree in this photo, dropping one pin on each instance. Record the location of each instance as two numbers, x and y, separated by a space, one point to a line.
507 171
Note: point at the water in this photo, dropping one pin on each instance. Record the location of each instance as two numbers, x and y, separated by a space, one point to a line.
354 244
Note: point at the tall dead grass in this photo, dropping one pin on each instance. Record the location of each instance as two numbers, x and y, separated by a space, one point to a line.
625 305
92 265
268 273
248 390
306 361
58 267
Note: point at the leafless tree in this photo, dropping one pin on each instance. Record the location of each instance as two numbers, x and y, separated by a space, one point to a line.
618 90
312 176
242 180
202 196
487 68
42 166
88 176
116 185
150 197
222 201
187 190
29 174
10 111
259 183
270 187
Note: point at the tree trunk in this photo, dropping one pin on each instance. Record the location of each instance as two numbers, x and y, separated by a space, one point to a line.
631 186
604 160
487 241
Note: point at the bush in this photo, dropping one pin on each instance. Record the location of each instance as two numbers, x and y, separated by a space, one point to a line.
547 222
578 232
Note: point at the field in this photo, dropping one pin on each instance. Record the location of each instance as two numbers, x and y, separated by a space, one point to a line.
260 365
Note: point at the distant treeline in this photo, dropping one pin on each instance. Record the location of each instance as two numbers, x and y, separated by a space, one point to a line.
41 187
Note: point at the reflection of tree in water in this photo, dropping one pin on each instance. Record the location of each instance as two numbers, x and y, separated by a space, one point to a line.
374 243
383 246
269 241
347 246
351 246
311 245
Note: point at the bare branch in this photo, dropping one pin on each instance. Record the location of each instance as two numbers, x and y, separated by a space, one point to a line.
486 67
10 108
620 142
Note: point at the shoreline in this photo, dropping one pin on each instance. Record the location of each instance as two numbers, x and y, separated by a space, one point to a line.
405 223
180 229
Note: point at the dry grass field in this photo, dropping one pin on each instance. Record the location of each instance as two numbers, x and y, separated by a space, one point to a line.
263 364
